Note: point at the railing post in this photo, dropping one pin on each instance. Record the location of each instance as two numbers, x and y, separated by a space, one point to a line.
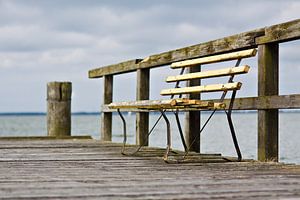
192 118
59 108
268 64
106 118
142 119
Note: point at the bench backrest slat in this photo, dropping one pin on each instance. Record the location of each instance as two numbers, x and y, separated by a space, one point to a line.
202 89
229 85
214 59
209 74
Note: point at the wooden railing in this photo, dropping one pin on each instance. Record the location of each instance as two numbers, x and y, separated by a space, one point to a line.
267 102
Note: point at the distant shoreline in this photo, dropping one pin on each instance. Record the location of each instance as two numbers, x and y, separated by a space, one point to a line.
43 113
98 113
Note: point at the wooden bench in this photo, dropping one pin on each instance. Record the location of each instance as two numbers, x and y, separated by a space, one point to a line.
180 103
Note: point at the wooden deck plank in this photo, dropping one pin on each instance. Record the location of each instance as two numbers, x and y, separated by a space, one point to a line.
88 169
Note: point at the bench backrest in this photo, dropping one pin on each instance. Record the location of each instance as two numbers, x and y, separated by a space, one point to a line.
231 71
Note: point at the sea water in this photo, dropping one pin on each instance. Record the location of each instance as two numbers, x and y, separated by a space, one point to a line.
215 138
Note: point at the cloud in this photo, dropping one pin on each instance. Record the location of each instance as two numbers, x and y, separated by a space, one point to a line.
38 38
61 39
291 11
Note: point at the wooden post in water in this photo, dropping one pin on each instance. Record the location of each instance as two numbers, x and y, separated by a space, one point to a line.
106 118
192 118
268 64
59 108
142 119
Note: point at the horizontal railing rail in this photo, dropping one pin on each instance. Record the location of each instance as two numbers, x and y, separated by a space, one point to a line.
277 33
245 103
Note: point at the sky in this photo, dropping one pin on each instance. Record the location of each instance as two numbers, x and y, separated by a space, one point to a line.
60 40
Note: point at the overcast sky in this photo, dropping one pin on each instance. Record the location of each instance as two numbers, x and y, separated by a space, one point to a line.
57 40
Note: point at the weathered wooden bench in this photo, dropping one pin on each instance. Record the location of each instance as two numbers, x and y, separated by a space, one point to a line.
178 103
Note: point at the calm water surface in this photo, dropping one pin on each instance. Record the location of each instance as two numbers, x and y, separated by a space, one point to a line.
215 138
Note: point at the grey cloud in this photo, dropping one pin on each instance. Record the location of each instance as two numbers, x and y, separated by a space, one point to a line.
34 38
62 39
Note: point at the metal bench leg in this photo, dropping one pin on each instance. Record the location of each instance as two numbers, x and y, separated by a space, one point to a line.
180 131
168 135
236 145
124 132
139 148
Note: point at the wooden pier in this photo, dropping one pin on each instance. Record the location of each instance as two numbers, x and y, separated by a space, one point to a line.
66 167
89 169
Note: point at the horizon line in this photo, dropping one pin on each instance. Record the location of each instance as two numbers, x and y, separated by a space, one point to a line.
99 112
45 113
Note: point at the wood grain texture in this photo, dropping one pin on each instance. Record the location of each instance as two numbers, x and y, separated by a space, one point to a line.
202 89
142 119
106 118
214 59
277 33
281 33
88 169
268 84
160 104
248 103
209 74
223 45
59 108
192 119
236 42
123 67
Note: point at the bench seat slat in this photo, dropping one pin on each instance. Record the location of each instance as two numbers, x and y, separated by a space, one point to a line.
167 104
208 74
140 104
217 58
202 89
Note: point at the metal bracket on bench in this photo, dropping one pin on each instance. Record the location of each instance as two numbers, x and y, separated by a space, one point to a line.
168 135
234 138
168 149
180 130
124 132
163 115
233 135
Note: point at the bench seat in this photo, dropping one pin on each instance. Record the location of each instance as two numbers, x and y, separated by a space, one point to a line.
191 91
168 104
